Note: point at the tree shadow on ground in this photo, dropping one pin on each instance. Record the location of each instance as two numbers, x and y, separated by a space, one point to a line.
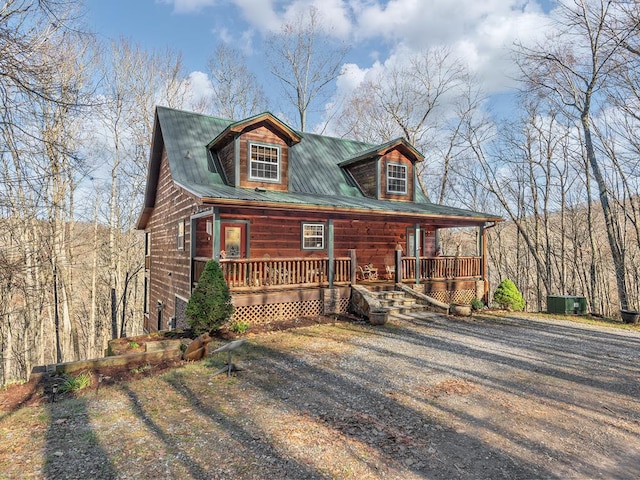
275 464
406 437
72 449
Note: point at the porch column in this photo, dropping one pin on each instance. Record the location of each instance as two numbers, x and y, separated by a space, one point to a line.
398 267
416 253
482 251
354 264
216 234
330 252
192 250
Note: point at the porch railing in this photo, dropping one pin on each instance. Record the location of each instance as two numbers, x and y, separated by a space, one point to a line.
249 273
441 268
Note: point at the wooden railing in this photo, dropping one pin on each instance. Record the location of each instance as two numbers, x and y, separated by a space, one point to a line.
438 268
249 273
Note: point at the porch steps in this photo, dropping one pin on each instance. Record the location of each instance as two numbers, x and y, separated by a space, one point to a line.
396 302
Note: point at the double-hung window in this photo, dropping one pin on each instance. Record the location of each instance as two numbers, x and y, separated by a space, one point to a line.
396 178
180 236
313 236
264 162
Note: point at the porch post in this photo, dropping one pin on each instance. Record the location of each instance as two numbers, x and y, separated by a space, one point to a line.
482 247
216 234
354 264
330 252
192 250
398 267
417 242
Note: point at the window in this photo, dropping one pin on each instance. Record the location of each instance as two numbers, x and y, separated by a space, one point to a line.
147 250
312 236
180 239
396 178
145 306
264 162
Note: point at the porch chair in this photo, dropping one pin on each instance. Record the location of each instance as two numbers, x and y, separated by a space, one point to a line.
368 272
390 272
372 272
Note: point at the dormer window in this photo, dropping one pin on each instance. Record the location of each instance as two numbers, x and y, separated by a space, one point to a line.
264 162
396 178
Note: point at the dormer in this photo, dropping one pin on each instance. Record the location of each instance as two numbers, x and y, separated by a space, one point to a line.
387 171
254 153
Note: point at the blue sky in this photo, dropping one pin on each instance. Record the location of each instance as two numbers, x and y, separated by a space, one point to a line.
380 32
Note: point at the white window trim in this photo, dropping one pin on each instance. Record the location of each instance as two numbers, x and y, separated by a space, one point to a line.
406 179
279 164
313 224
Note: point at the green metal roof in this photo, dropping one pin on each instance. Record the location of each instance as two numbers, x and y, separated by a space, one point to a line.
315 176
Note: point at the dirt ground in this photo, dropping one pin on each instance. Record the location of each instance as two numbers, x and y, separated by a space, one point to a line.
493 396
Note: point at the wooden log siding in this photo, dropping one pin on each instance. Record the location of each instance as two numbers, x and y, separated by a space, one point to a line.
441 268
253 274
169 267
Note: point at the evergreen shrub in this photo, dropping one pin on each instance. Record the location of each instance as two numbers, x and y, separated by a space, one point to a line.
210 304
508 296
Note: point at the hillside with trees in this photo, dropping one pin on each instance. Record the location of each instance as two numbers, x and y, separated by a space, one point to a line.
76 119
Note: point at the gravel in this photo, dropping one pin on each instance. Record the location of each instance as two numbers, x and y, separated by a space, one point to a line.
428 396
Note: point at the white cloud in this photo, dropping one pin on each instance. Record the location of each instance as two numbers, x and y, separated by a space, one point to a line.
199 91
260 14
387 32
188 6
266 17
481 34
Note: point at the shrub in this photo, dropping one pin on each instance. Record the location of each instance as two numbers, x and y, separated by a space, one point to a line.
508 296
72 384
239 326
210 303
477 304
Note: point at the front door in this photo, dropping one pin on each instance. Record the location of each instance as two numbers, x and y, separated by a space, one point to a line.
233 239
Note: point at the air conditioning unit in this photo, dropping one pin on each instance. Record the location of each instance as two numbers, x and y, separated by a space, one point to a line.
567 305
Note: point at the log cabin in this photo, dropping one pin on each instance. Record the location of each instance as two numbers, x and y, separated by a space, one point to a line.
296 220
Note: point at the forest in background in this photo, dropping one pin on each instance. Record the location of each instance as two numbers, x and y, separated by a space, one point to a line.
77 117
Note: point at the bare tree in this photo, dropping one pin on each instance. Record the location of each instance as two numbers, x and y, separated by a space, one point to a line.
41 91
134 82
573 69
237 94
423 100
305 60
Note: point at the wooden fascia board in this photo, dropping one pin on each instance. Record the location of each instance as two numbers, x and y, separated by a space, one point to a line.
239 127
408 151
153 173
471 221
402 144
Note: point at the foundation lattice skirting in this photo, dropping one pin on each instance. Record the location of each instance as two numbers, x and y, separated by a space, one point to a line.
260 314
454 296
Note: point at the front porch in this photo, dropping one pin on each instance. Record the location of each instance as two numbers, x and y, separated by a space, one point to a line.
270 289
266 274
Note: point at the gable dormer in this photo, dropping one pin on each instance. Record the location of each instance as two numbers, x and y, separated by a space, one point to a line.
254 153
387 171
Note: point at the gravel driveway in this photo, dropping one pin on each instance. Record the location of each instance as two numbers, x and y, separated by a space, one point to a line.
493 397
431 397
